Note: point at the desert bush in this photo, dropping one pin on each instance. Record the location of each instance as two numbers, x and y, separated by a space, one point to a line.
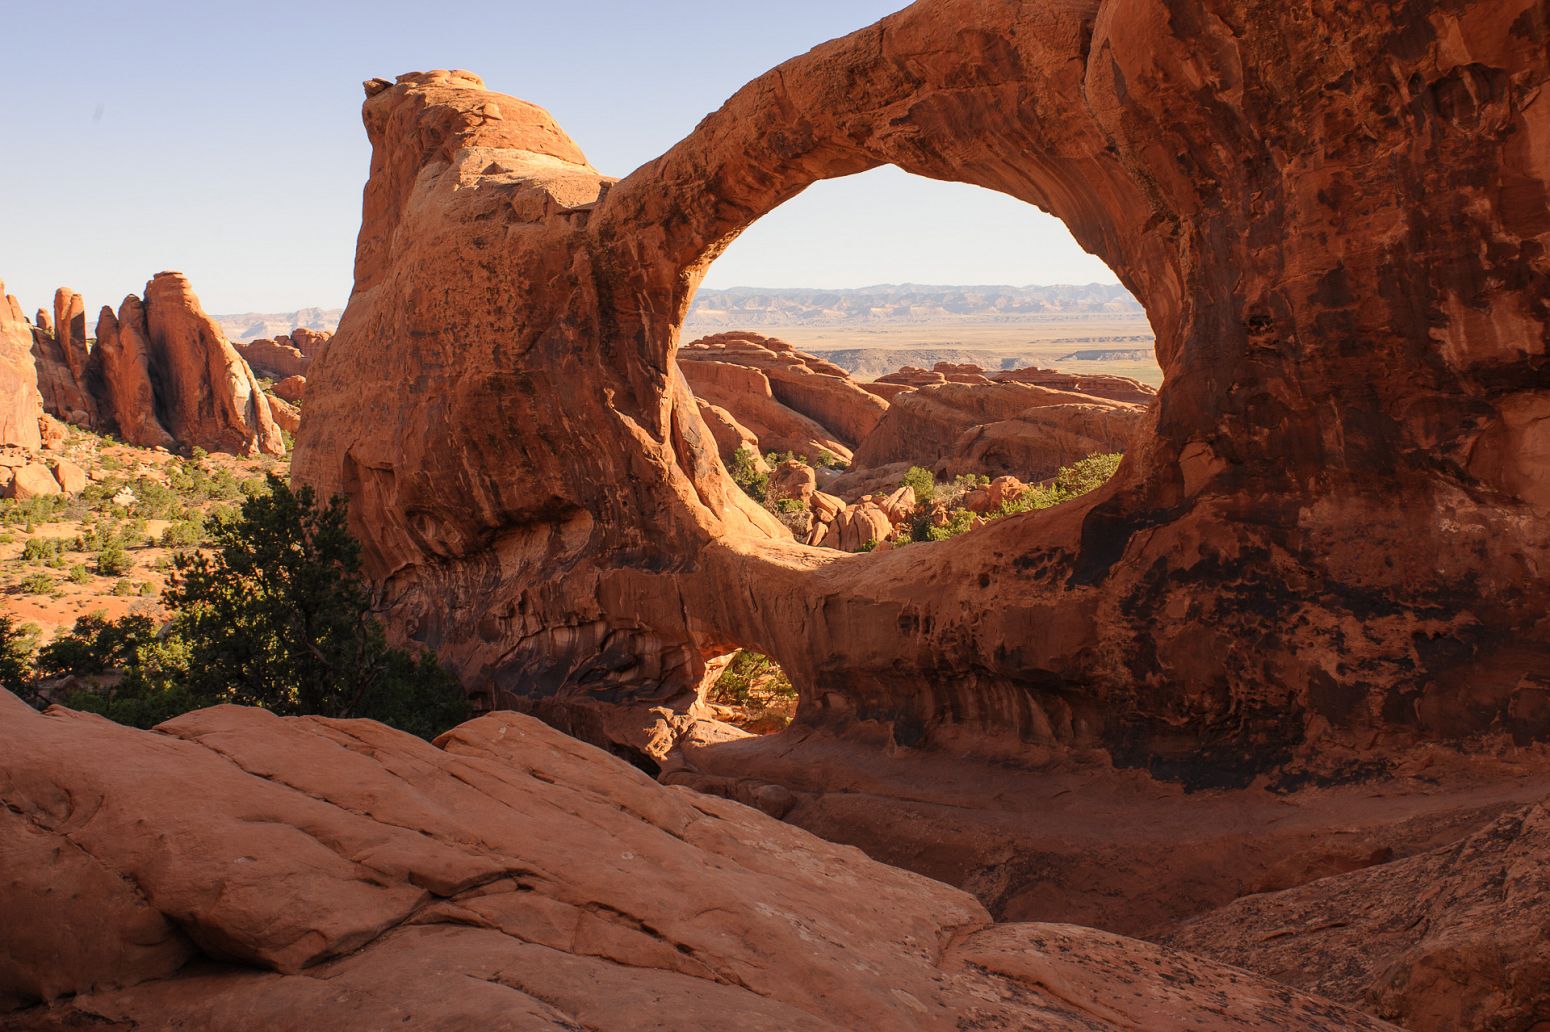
43 550
38 583
184 533
18 642
747 475
923 481
79 574
113 560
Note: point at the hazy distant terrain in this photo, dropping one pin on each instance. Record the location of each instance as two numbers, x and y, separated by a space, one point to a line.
253 325
758 307
869 331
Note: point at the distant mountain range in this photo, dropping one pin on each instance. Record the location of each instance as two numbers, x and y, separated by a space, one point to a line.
254 325
753 307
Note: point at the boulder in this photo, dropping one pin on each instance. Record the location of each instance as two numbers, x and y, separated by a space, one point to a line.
21 405
342 875
72 478
34 480
286 416
291 389
794 480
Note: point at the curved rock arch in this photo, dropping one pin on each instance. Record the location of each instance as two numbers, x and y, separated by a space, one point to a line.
1337 529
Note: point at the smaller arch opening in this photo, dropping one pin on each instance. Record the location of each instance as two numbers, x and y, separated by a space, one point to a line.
753 693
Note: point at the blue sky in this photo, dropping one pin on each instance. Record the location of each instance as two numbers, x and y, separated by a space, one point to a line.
224 140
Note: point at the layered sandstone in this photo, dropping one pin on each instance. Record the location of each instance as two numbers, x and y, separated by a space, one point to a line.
820 393
21 405
1328 533
338 874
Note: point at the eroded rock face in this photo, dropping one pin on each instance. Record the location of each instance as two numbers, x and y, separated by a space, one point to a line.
805 384
205 395
1451 940
338 874
1331 529
63 362
124 355
21 406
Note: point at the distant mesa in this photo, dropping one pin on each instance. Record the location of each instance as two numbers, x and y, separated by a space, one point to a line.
1108 355
250 326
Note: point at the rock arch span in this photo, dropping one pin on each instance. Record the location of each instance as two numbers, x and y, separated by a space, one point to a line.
1335 532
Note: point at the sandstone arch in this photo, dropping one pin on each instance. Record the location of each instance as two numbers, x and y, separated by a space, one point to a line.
1336 530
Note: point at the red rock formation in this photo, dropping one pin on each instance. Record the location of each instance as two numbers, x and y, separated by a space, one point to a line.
1451 940
942 372
128 398
341 875
70 332
747 395
205 394
43 322
1008 428
62 360
286 416
291 389
821 391
272 359
1096 385
1331 533
21 406
731 436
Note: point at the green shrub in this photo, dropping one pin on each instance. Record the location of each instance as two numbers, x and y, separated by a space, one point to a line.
122 588
749 676
923 481
827 458
17 645
185 533
747 475
958 522
113 560
79 574
43 550
38 583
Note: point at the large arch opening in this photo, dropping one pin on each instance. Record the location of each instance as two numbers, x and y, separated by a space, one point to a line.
922 377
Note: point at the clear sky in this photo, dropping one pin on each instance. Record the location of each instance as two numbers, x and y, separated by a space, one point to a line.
223 139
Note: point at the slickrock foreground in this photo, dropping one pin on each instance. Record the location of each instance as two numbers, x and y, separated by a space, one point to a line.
1457 938
1328 539
236 870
